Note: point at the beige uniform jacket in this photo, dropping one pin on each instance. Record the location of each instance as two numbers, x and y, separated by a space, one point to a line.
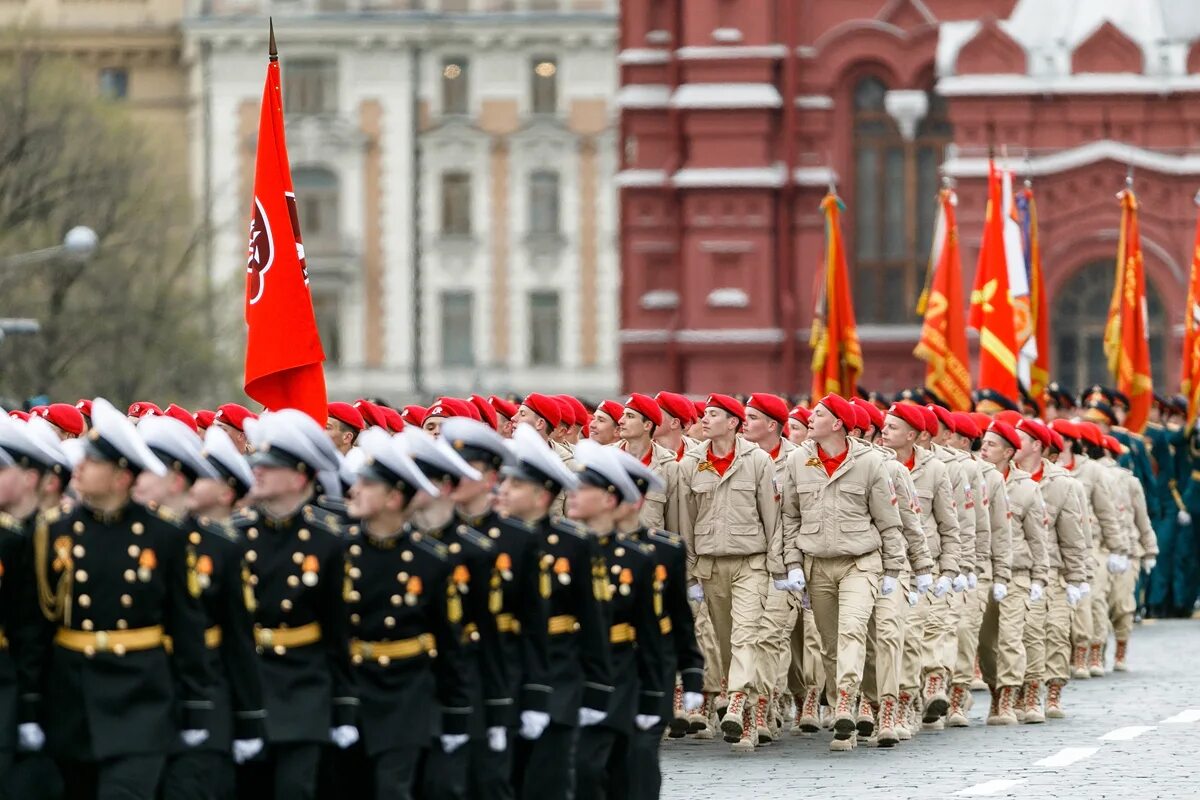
1066 543
939 516
1000 522
1080 492
1028 524
661 509
559 507
919 560
850 513
1145 542
785 450
961 470
1106 526
735 514
977 500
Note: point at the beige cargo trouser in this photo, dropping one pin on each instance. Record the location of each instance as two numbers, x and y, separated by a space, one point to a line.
1001 635
735 591
778 621
842 592
1081 622
1122 600
807 668
1099 598
706 639
1034 636
931 625
1058 632
885 643
971 605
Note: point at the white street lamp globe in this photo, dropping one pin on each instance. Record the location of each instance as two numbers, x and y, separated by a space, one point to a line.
80 242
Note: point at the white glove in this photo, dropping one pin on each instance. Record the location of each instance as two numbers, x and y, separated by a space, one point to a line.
497 739
1114 563
1084 589
692 701
453 741
960 583
533 724
781 584
924 581
30 737
1035 592
999 592
889 585
246 749
194 738
1148 564
590 716
696 593
972 580
344 736
912 598
795 579
1184 518
941 587
1073 595
646 721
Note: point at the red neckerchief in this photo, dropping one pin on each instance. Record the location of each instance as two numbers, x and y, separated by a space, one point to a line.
831 463
649 455
912 460
682 448
775 452
722 463
1037 476
1006 471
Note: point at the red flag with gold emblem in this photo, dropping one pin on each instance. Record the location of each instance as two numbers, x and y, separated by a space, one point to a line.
284 357
1127 334
1190 372
1039 371
837 356
943 344
992 311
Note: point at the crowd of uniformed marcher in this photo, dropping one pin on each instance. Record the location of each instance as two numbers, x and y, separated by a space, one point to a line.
490 598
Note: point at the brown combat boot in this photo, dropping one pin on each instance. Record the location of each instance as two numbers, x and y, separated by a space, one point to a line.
680 724
808 714
1005 711
866 718
1019 703
1079 667
1054 709
956 716
843 715
1033 703
762 723
903 731
731 720
700 721
886 730
936 701
748 740
722 700
993 717
977 683
1096 661
1119 664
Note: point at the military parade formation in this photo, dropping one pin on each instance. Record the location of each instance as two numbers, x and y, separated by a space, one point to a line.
495 598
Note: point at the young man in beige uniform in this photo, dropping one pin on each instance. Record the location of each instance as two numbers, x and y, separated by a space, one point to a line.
1141 541
544 414
730 522
841 519
636 430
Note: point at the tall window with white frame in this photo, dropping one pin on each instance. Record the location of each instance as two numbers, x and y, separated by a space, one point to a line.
310 86
544 324
543 202
455 84
457 349
544 87
456 203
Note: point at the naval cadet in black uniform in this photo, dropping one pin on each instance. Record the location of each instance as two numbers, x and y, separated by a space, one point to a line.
643 779
218 573
112 585
406 617
579 654
634 597
296 557
515 594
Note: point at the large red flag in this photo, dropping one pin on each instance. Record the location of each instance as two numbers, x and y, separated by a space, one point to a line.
1039 371
837 356
283 347
1127 334
1190 373
991 301
943 344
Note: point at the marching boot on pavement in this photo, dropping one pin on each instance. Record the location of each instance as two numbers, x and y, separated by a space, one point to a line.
514 597
730 520
405 620
641 686
297 565
842 523
216 571
113 583
675 622
573 579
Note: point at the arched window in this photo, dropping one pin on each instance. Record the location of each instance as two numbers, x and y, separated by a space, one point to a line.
1080 314
895 197
317 201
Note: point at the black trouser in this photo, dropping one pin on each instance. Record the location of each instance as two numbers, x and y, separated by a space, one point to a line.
199 775
596 746
285 772
638 776
124 778
545 767
34 776
491 772
446 774
6 762
395 773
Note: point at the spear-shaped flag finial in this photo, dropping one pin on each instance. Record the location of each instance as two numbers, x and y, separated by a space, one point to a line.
272 52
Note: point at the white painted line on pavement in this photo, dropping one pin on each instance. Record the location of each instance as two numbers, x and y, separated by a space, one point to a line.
1067 756
1187 715
989 787
1125 734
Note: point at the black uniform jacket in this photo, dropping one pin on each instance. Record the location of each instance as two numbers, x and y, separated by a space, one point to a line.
14 580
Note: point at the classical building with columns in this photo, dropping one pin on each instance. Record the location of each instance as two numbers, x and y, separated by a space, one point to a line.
737 115
453 163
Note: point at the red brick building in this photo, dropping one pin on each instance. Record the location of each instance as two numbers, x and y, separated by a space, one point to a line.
738 114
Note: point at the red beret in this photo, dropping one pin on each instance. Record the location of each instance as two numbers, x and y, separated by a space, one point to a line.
840 407
413 415
347 414
677 406
1091 433
233 415
801 414
204 418
964 425
85 407
143 407
910 414
771 405
486 412
698 406
644 404
372 414
579 412
17 413
504 408
65 416
545 407
566 414
981 420
874 414
611 408
862 420
1008 417
931 421
1066 428
1113 445
1056 440
943 414
729 405
183 415
1006 432
452 407
1035 429
395 422
38 411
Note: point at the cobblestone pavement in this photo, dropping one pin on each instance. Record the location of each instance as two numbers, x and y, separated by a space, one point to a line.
1132 735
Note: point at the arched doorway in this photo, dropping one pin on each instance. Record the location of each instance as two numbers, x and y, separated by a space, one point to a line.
1077 322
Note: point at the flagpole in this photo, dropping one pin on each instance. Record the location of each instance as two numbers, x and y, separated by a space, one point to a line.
272 51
